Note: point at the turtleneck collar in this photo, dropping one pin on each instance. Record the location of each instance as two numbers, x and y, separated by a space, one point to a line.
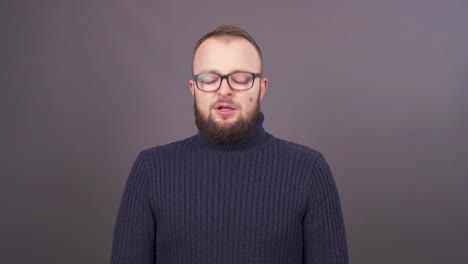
257 137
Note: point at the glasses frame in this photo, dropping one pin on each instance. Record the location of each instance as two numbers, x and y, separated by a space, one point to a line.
226 76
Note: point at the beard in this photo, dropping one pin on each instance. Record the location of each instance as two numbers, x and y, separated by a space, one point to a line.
220 134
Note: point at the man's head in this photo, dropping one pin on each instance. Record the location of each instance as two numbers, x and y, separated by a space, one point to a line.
227 84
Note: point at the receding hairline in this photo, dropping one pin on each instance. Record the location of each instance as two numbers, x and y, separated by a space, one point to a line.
227 40
228 33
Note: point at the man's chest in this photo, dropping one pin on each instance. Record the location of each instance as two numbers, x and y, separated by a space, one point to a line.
196 201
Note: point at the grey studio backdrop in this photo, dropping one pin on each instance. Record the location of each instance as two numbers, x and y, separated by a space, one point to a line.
379 87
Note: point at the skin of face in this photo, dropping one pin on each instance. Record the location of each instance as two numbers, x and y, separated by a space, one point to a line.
224 55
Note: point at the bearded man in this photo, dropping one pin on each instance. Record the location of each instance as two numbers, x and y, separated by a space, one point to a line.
233 193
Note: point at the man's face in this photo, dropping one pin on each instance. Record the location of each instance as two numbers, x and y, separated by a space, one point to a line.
227 110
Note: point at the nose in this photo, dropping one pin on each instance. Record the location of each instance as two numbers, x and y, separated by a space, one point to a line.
224 88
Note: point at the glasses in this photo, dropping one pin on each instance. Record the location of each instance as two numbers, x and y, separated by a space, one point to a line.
239 80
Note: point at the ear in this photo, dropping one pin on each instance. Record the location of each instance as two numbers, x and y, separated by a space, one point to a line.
192 87
263 87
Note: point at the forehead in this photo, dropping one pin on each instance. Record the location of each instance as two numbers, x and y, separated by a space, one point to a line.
226 54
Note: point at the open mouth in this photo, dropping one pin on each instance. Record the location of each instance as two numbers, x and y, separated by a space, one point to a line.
225 108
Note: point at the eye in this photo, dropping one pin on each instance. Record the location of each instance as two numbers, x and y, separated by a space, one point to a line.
241 77
207 78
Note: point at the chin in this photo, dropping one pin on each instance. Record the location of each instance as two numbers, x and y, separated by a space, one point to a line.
226 121
224 128
226 118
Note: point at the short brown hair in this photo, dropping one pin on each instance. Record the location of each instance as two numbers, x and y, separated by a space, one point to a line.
229 30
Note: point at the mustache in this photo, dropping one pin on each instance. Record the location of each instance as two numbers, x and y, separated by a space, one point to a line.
226 101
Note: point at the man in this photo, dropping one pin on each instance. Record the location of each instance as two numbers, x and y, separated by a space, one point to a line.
233 193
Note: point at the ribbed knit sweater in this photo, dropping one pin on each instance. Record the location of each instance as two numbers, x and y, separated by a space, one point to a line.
258 200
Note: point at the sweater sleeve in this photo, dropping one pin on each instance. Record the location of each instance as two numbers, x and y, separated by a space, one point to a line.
134 231
323 225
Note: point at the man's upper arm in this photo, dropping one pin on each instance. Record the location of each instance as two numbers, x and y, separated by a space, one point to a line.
134 230
323 225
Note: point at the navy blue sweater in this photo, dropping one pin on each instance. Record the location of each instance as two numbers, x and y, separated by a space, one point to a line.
257 200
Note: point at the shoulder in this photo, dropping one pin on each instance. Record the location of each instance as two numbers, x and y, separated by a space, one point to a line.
167 149
152 158
297 150
313 161
313 164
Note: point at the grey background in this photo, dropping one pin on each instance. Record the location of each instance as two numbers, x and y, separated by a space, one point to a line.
379 87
